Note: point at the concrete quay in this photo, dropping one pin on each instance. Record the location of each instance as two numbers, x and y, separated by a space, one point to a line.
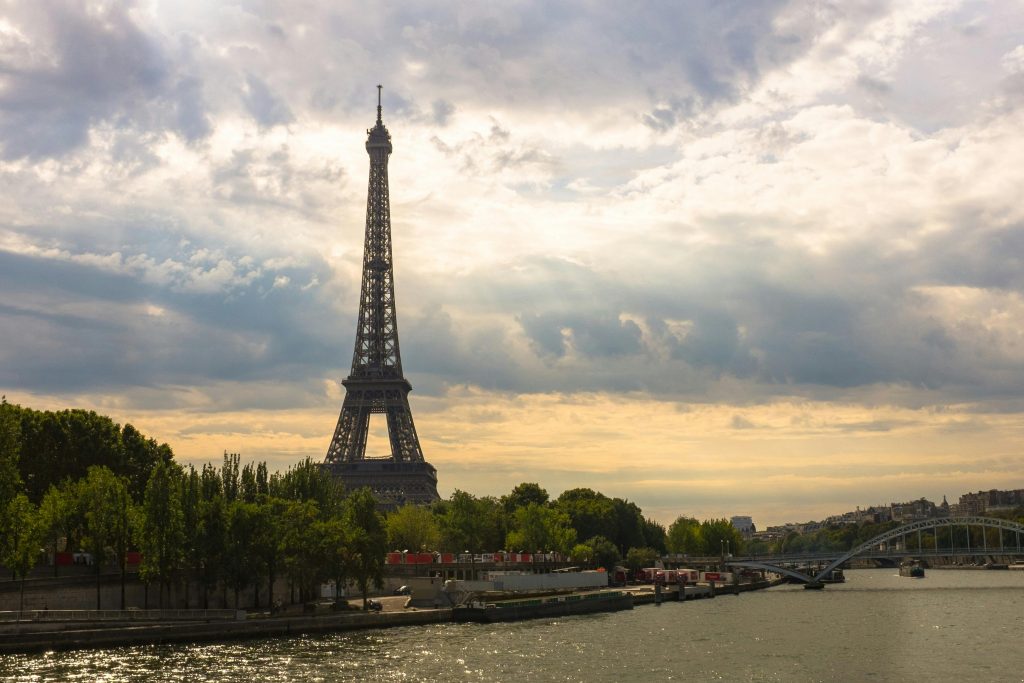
42 631
69 637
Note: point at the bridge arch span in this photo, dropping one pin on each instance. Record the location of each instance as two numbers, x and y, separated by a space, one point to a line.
940 522
871 544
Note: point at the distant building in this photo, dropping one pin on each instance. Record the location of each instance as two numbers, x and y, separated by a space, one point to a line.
975 504
914 511
745 525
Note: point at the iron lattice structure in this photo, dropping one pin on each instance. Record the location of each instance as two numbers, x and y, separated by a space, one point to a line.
376 384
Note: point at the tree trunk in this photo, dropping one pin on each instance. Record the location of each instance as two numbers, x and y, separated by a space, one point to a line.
21 602
97 584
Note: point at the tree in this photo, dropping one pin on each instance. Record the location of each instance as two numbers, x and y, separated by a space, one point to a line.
462 524
10 449
268 543
413 527
541 528
20 539
163 526
191 505
368 541
590 512
140 456
715 533
338 551
59 516
603 552
229 477
654 534
683 537
301 546
307 481
210 543
242 566
104 500
639 558
522 495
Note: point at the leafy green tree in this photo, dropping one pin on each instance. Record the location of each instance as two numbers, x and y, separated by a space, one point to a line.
463 527
413 527
10 449
163 526
368 541
139 456
301 546
64 445
60 516
191 504
211 541
242 566
338 551
536 527
683 537
107 508
591 513
654 534
715 533
229 477
628 530
582 554
20 539
269 547
307 481
639 558
603 552
210 483
522 495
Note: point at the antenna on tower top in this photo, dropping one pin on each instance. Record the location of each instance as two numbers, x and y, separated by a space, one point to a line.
379 88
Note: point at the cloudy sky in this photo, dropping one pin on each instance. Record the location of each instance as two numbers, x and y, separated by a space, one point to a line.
717 257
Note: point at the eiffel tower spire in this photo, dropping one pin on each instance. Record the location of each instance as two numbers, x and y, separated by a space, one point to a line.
376 383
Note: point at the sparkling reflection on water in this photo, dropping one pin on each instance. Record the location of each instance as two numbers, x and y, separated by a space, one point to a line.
952 625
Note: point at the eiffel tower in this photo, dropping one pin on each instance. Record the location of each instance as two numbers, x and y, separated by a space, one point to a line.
376 383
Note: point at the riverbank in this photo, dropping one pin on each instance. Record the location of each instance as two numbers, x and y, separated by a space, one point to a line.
45 631
74 636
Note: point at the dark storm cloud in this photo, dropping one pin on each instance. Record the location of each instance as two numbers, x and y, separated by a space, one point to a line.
127 332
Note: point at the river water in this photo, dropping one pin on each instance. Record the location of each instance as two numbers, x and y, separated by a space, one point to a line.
953 625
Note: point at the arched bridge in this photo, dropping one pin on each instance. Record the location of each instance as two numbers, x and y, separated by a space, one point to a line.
870 547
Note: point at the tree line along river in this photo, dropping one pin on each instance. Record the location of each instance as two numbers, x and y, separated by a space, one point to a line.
953 625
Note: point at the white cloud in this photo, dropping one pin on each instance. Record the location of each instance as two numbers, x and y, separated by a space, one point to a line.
781 199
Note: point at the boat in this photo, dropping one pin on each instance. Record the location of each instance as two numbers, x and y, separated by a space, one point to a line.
540 607
912 568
